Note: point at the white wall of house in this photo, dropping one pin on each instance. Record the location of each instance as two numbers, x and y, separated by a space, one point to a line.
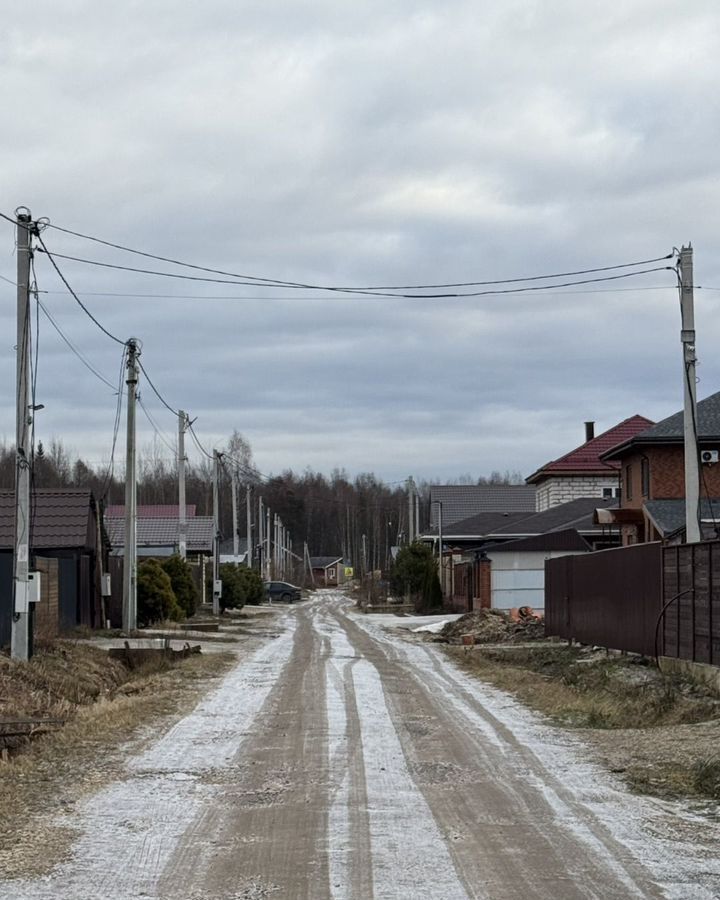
518 579
562 488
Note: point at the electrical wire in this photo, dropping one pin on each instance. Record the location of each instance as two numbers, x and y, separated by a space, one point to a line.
75 296
156 391
156 428
369 292
402 287
74 349
107 481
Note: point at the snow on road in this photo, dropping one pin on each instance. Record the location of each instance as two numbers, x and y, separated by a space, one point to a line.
339 762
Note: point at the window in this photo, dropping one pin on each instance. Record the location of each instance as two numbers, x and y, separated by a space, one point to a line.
610 492
628 482
645 476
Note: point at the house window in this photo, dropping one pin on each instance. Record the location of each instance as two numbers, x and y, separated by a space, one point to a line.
610 492
628 482
645 476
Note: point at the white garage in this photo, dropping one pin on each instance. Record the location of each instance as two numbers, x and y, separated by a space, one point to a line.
518 567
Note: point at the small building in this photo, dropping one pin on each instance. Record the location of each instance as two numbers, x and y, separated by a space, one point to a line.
328 571
66 534
517 575
158 536
227 551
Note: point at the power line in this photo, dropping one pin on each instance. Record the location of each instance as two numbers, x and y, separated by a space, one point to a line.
402 287
160 434
157 392
118 412
296 298
377 293
73 348
75 296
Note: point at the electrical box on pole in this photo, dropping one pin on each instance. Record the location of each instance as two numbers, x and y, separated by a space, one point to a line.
21 632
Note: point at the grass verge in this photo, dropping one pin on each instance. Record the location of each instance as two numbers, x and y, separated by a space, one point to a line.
105 707
660 732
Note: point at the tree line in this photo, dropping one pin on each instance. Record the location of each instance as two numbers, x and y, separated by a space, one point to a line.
359 518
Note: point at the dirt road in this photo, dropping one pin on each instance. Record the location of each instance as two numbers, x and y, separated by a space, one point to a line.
342 762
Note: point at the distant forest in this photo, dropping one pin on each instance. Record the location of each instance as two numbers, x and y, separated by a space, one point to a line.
330 512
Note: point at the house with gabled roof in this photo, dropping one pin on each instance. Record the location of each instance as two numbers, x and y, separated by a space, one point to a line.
652 466
460 501
585 471
64 529
328 571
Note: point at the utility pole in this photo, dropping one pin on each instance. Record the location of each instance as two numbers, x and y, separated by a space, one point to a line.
687 336
417 513
129 611
182 514
261 537
411 509
248 518
216 532
236 543
268 547
21 636
440 548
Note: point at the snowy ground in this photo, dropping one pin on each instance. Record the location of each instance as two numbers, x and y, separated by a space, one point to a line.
339 761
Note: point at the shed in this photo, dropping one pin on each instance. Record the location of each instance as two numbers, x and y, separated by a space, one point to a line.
518 567
328 570
64 527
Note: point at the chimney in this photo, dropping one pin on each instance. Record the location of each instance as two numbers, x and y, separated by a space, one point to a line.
589 431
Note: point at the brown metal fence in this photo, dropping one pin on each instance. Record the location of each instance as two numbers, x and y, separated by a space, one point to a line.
691 591
612 598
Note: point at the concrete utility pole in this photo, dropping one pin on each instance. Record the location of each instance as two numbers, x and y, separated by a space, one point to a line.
261 537
441 558
417 513
687 336
236 543
268 546
21 635
248 529
411 509
182 512
129 611
216 532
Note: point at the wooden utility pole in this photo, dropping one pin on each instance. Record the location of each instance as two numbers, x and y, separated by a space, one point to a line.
129 610
21 635
687 336
182 511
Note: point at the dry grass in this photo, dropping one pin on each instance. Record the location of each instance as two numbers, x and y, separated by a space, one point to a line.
591 689
659 732
106 707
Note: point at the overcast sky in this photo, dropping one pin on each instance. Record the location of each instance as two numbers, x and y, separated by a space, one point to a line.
365 143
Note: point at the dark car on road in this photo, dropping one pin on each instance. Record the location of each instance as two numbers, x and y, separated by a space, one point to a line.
282 590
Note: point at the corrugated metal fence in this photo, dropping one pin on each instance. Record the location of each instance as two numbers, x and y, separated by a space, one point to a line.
611 598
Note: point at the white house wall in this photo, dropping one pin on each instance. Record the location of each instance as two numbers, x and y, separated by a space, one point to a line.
518 579
562 489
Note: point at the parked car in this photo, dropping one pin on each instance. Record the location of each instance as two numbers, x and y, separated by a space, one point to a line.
282 590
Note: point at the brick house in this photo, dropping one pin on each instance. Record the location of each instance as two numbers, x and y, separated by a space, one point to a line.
585 471
652 464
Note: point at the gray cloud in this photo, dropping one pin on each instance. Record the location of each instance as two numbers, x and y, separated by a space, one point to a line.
367 144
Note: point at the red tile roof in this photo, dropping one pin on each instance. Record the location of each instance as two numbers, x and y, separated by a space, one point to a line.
585 459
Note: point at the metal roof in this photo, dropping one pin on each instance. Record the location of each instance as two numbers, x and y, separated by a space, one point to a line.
162 511
586 459
59 518
568 540
576 514
460 501
322 562
153 532
671 430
